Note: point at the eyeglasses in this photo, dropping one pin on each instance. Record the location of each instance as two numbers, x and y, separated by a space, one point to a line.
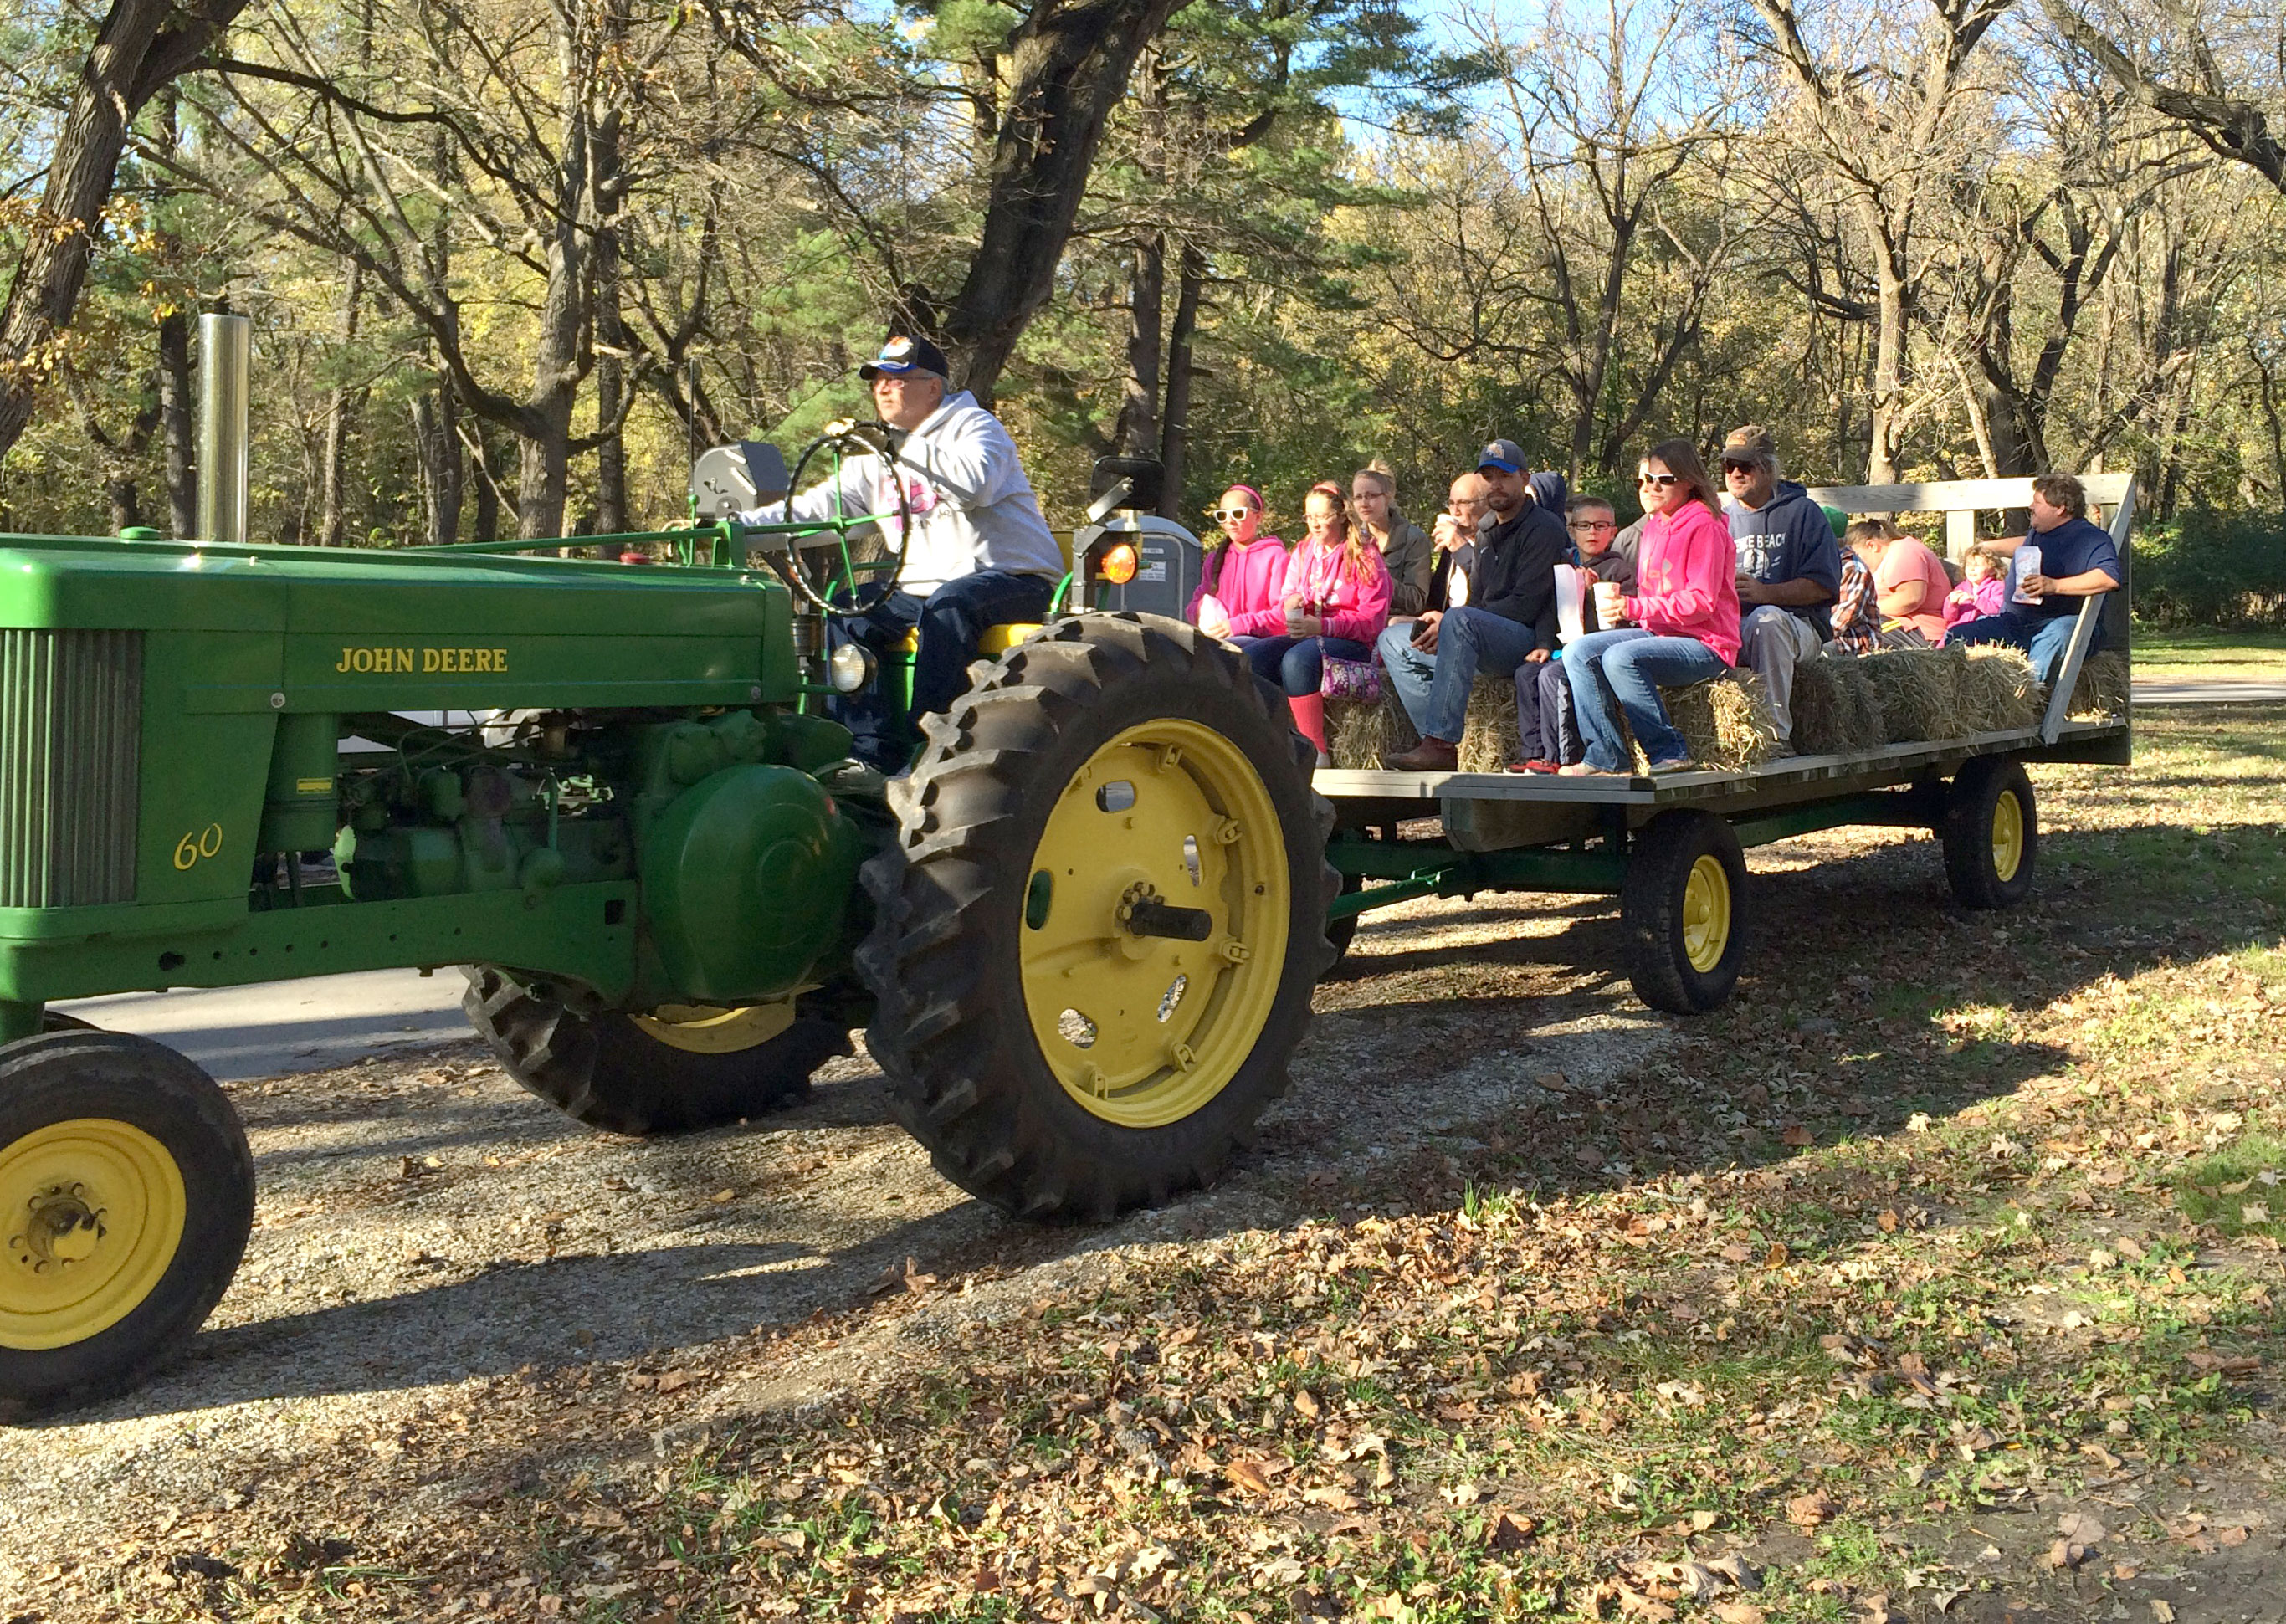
1728 467
1588 527
1228 515
1660 480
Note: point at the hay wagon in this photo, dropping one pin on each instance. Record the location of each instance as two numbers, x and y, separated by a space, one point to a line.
1672 848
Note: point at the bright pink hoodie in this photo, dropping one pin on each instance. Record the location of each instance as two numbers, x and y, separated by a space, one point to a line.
1687 581
1973 600
1249 585
1352 605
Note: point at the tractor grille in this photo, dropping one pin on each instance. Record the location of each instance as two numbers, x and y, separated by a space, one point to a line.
71 725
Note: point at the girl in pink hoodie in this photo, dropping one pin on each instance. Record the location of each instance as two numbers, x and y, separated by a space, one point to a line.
1335 601
1241 583
1984 592
1685 616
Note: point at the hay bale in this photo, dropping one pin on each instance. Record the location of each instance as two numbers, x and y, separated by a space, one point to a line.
1358 735
1489 740
1725 723
1867 728
1920 693
2102 688
1998 690
1821 711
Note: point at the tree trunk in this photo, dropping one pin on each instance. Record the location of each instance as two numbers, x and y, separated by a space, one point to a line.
340 404
1888 362
1175 428
435 438
611 334
1067 67
175 424
488 501
126 507
1138 411
543 465
138 49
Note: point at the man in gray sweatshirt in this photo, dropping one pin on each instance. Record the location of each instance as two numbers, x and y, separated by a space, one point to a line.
1789 568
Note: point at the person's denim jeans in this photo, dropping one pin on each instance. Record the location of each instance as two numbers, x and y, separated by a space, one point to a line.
951 621
1434 688
1543 712
1623 670
1298 663
2043 637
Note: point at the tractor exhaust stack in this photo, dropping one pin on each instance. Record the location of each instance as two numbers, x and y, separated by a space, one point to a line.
226 358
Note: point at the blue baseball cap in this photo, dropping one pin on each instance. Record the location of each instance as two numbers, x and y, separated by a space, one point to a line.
1505 455
902 355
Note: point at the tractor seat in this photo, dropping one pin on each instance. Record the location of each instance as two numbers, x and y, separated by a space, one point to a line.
996 639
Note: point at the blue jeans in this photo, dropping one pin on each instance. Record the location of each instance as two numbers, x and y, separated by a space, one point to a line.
1624 670
2043 637
1543 712
1434 688
951 621
1298 663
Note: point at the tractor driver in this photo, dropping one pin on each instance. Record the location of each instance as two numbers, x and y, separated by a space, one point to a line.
979 555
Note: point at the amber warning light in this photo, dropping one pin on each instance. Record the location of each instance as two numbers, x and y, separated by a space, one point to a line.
1119 565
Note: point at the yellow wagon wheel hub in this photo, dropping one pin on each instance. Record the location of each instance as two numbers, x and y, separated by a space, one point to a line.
1154 925
2008 836
704 1029
1705 914
92 1210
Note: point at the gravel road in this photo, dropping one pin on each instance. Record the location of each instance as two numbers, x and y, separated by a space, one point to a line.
424 1226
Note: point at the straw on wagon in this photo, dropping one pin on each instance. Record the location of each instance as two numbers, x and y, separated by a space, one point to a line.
1918 690
1358 735
1489 741
1821 709
1998 690
2103 687
1726 721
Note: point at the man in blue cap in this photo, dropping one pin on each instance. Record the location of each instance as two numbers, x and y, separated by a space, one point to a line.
1508 621
979 554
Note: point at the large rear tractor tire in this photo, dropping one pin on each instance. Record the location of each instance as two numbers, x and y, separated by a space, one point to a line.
1683 912
1096 934
1992 834
126 1197
669 1071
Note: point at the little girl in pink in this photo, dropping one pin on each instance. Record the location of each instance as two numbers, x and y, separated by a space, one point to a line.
1241 583
1984 592
1334 601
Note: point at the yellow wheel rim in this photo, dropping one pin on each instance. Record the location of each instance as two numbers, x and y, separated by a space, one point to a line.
1705 914
2008 836
93 1212
1144 1030
702 1029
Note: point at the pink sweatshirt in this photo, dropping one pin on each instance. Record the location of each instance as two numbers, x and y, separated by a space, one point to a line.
1249 585
1971 600
1687 581
1353 605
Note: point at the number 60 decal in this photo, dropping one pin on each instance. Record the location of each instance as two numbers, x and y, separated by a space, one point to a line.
199 843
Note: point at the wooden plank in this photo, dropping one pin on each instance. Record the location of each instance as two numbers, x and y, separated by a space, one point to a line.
1945 495
1960 532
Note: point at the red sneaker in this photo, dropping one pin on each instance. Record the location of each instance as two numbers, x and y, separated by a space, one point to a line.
1535 765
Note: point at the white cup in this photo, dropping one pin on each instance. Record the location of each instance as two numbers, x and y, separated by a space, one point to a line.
1607 604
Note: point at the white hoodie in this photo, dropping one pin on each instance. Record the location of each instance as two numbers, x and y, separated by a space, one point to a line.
973 508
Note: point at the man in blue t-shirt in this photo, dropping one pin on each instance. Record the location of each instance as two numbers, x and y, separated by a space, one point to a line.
2078 561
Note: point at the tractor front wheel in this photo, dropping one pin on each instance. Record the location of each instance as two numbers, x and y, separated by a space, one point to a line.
1097 931
126 1198
668 1070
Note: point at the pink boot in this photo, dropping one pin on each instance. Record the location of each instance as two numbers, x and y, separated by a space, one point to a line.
1310 722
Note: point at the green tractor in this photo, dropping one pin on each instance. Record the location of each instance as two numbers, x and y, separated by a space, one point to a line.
1081 937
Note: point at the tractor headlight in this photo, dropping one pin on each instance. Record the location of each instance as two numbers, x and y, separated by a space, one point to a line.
1119 565
849 667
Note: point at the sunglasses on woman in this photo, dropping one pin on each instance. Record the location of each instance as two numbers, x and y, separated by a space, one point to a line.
1662 480
1228 515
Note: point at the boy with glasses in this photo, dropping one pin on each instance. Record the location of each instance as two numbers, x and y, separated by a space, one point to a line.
1544 722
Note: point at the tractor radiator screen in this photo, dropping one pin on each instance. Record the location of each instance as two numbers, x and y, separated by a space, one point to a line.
71 707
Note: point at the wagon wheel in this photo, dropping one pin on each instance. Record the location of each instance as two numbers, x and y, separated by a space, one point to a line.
1992 834
1683 910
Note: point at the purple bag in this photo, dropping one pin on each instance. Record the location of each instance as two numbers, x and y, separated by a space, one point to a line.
1358 680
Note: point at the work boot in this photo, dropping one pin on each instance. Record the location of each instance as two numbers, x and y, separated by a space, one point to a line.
1430 755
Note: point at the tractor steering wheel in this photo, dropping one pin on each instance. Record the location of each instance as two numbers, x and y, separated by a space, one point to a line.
838 577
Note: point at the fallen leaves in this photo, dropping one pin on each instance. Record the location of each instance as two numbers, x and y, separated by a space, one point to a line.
1813 1510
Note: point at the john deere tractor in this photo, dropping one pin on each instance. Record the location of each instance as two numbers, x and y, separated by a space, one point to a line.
1081 935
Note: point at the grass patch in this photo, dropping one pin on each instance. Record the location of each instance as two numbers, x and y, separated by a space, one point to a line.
2240 1189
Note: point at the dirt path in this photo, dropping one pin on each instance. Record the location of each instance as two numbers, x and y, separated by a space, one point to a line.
425 1227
